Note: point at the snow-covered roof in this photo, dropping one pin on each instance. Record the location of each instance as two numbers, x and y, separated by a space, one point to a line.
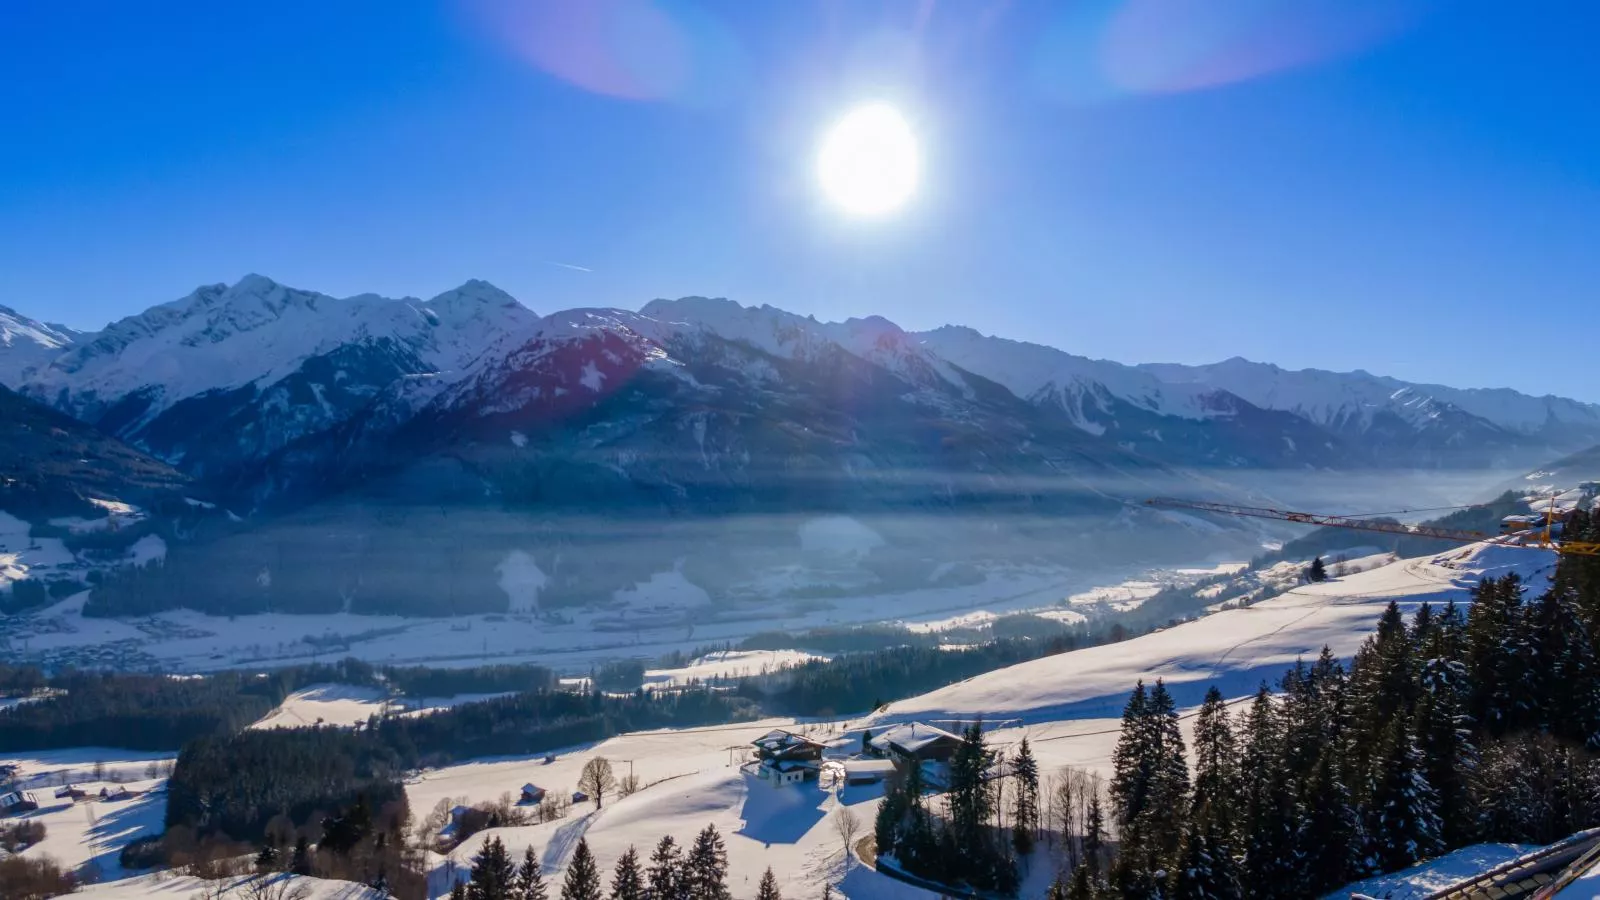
868 766
912 737
531 788
779 741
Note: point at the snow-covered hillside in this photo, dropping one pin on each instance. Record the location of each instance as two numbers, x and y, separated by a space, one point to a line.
1234 649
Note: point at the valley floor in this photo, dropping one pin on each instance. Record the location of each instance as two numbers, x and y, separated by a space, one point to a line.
575 642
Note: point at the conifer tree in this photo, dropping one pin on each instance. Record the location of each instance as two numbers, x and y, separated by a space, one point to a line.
1318 571
1496 653
886 823
493 873
768 889
1271 820
530 878
1382 681
664 879
267 859
1405 805
300 863
1025 808
1169 786
1216 779
1446 746
627 880
1206 871
1449 635
1094 836
1567 681
1331 838
706 868
582 880
1131 763
971 803
1083 885
458 891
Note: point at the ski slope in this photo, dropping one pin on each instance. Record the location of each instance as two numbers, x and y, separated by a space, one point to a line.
1234 649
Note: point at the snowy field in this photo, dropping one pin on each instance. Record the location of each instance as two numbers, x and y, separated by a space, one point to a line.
344 704
693 779
187 887
650 623
90 833
728 664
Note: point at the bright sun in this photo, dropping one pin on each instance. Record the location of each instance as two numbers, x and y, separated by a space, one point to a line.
869 162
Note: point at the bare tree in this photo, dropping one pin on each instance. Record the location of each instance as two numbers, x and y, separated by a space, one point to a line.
848 825
597 779
628 786
1064 808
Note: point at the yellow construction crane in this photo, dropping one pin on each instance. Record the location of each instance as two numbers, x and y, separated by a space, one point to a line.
1542 542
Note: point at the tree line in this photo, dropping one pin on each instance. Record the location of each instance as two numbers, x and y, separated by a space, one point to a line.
140 711
697 871
233 786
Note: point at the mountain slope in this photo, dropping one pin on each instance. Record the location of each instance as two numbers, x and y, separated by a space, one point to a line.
26 344
1183 424
1419 423
50 462
222 377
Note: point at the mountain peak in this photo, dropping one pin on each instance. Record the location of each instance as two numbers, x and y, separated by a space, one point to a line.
474 291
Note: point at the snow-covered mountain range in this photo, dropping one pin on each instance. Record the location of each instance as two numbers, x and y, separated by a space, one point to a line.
708 425
268 365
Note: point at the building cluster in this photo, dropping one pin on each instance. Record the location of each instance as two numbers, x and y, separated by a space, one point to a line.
783 758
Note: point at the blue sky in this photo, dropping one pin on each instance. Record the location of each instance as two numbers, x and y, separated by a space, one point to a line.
1406 186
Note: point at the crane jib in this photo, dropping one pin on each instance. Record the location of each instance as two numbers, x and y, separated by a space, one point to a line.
1579 548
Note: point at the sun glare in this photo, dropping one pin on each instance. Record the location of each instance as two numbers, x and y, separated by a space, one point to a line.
869 162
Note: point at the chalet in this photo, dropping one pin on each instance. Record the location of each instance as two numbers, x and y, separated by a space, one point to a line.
532 794
71 792
1514 524
117 792
17 802
580 797
915 742
783 757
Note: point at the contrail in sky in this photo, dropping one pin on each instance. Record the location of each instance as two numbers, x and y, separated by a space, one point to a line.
569 266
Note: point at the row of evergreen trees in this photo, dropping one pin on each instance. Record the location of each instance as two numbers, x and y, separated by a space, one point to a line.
699 872
1445 730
